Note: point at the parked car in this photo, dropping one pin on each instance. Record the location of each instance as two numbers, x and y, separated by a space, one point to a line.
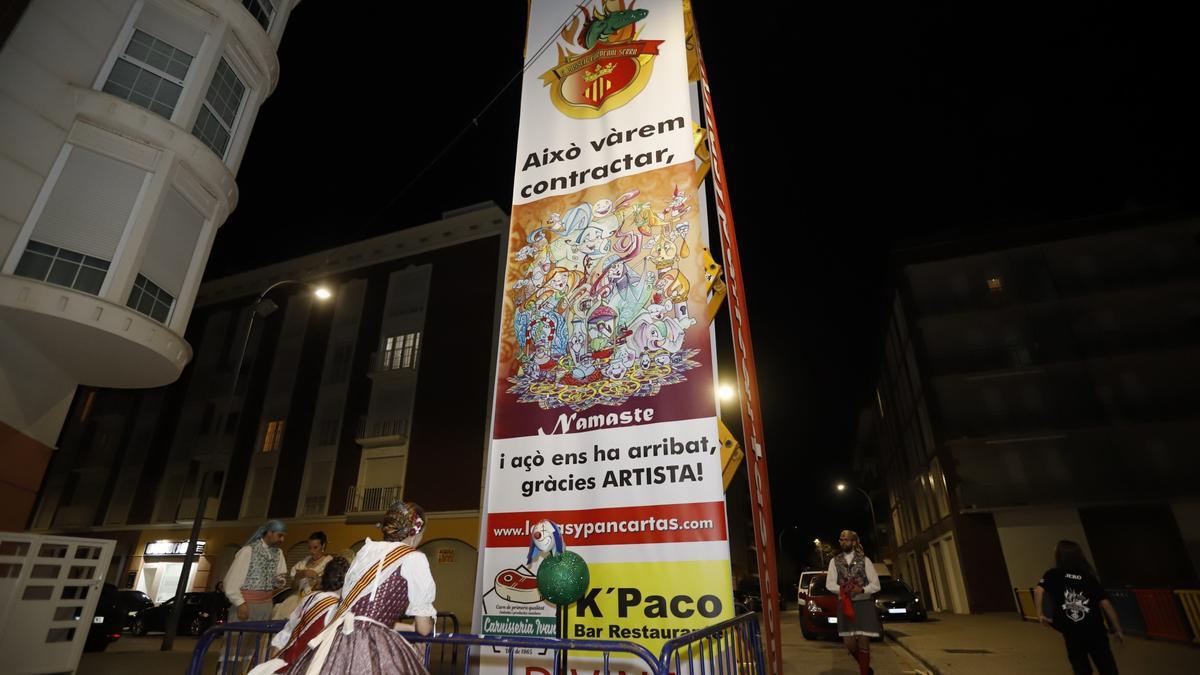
896 600
199 612
818 616
130 603
748 594
106 622
802 586
818 609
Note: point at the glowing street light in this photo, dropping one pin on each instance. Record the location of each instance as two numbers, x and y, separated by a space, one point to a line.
725 392
841 487
260 307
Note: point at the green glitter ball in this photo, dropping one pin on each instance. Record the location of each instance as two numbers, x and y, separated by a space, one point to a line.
562 579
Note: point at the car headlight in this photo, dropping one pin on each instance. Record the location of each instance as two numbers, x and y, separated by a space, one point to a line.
814 608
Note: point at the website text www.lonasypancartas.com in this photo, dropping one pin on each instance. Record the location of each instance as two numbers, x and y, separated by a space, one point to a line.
587 529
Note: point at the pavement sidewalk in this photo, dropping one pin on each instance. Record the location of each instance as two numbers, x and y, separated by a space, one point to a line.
142 656
949 644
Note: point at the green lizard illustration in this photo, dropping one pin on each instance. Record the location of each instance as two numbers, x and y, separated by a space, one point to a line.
602 26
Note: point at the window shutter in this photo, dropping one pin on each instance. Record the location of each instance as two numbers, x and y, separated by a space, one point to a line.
172 243
90 204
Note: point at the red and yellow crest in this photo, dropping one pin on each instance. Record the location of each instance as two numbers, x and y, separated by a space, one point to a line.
614 66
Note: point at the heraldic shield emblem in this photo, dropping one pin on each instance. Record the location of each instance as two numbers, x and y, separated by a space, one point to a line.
613 66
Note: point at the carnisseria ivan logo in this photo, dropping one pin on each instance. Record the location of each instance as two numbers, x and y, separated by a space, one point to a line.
614 66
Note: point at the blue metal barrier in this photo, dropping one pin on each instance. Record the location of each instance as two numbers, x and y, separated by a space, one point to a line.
553 647
731 647
246 645
1125 602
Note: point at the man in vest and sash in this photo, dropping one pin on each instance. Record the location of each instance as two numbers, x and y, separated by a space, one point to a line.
852 577
258 570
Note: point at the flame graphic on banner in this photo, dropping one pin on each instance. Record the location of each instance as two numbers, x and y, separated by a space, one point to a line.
614 66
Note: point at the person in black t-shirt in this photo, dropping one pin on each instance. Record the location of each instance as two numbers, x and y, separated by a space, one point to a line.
1071 591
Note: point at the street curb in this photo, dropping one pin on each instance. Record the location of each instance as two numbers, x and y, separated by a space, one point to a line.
925 662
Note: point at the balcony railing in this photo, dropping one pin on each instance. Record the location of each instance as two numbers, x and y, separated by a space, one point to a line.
375 428
372 499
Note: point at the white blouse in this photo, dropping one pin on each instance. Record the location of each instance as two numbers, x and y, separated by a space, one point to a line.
414 567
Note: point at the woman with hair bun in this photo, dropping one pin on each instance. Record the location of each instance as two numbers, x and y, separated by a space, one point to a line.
388 579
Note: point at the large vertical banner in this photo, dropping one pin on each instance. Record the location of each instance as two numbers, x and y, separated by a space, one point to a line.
604 417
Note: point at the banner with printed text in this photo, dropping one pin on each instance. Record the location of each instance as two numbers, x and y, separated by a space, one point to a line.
604 417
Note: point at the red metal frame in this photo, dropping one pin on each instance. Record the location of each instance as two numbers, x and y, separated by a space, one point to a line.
756 459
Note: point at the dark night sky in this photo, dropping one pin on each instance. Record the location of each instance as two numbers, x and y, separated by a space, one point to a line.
846 127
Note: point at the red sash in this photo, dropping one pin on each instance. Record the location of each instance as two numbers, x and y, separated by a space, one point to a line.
309 625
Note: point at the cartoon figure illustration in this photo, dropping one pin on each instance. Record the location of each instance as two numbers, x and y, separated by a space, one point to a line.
601 302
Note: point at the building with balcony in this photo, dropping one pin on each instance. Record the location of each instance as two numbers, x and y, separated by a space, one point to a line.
122 125
338 409
1038 386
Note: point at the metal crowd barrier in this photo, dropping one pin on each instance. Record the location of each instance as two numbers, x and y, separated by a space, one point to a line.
1190 600
473 647
1126 604
1025 605
447 655
1162 614
246 644
732 647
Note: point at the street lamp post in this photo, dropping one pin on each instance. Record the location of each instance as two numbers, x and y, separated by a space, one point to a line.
841 487
783 532
260 306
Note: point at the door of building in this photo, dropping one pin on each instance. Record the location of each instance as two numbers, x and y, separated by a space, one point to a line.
48 593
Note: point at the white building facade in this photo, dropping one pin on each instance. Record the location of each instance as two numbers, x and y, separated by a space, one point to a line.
122 126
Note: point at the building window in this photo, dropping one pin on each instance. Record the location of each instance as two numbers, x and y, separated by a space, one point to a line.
62 267
149 73
401 351
273 439
261 10
214 124
150 300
